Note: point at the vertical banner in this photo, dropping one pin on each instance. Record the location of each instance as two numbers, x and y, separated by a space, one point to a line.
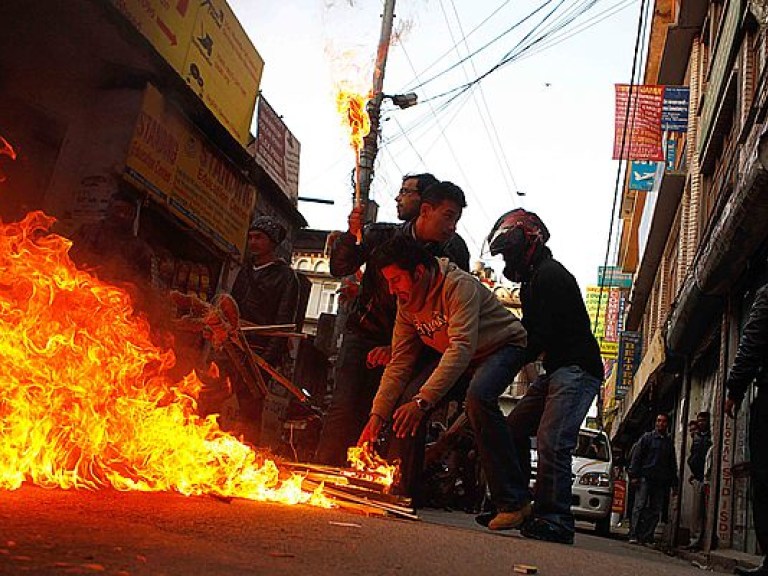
642 124
630 355
276 150
674 112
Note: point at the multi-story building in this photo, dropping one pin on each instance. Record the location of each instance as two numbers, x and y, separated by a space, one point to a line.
697 245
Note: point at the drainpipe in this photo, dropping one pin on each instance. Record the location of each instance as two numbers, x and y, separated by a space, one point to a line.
737 234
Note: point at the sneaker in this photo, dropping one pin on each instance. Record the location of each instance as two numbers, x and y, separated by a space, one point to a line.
511 519
540 529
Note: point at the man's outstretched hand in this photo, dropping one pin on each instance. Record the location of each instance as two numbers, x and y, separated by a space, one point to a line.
406 420
370 433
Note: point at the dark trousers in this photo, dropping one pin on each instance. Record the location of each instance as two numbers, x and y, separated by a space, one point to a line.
356 386
758 440
649 501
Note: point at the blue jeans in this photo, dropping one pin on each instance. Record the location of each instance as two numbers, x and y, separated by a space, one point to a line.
484 383
553 408
498 457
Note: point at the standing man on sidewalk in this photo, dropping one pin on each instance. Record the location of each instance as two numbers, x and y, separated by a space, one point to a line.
751 365
653 471
556 403
700 445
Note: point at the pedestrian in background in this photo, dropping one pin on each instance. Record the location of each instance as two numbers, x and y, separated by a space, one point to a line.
653 471
701 442
751 365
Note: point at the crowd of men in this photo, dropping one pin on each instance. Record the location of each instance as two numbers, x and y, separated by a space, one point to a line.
423 331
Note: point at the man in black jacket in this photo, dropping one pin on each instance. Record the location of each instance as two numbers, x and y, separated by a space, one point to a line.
751 365
653 471
556 403
365 347
267 292
700 445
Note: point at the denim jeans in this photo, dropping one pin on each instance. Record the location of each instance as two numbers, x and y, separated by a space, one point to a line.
646 512
483 383
553 408
498 457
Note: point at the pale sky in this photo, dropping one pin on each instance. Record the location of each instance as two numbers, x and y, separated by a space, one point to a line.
541 125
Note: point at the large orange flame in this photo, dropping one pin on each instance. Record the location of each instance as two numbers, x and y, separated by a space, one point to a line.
351 106
85 401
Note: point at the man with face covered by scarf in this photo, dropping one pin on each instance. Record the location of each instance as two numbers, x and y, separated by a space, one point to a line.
555 405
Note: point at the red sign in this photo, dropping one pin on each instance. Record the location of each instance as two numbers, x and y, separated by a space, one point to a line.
619 496
642 138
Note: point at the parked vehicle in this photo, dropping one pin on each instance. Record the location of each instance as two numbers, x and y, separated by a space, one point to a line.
592 489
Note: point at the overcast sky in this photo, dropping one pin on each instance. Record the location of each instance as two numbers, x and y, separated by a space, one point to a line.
542 125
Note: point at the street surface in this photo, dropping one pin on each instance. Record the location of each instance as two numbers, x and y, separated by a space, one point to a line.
54 532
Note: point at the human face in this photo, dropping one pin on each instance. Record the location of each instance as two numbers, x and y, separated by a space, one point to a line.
693 429
259 244
408 200
703 422
662 423
400 282
438 223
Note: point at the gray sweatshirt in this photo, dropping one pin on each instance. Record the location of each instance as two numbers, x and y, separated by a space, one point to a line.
457 316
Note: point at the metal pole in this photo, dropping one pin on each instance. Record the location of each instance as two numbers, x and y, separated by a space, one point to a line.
370 142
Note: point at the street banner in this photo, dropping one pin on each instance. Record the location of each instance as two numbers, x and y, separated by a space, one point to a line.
276 150
173 161
674 112
630 355
642 175
612 315
642 138
206 45
597 304
671 154
619 496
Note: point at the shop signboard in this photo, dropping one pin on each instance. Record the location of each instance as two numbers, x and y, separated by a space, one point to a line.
276 150
613 277
630 350
208 48
642 175
173 161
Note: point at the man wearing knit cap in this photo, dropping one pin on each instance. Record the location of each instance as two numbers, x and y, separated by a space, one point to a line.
267 292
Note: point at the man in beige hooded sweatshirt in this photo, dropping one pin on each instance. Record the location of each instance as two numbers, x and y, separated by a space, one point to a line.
447 309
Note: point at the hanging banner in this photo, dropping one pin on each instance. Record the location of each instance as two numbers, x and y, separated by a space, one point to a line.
641 175
642 138
630 349
674 112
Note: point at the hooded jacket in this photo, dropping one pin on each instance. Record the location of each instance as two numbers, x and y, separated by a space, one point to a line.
453 313
373 313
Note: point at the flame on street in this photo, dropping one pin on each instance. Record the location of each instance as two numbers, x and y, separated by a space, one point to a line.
351 106
370 465
84 397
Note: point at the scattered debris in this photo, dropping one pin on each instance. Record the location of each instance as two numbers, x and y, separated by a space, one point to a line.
276 554
344 524
525 569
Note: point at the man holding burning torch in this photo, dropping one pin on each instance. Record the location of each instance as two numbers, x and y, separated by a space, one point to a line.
365 347
482 347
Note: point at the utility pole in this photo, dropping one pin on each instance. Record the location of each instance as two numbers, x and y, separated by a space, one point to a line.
371 141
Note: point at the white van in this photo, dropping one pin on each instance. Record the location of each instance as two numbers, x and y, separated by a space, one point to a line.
592 489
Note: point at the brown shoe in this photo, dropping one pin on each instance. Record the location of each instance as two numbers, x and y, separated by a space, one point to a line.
509 520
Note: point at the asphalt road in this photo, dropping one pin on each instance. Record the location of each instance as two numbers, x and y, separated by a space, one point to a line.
54 532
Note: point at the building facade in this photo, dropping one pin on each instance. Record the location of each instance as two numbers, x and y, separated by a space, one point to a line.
697 246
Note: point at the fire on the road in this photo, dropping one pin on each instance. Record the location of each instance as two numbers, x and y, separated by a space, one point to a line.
85 401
